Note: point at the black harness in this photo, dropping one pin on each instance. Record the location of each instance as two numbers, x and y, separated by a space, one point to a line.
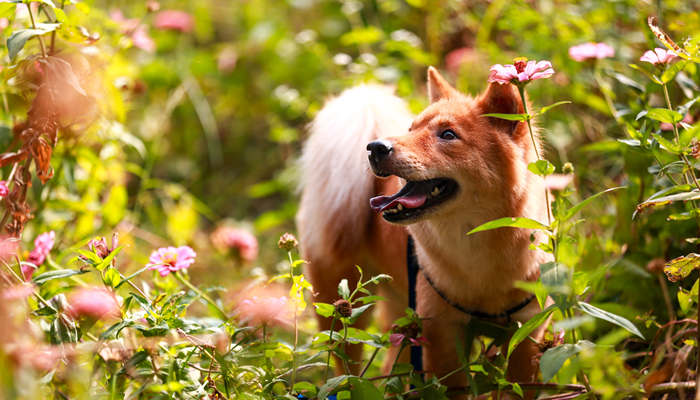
413 267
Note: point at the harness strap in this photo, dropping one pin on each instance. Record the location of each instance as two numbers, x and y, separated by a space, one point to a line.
412 268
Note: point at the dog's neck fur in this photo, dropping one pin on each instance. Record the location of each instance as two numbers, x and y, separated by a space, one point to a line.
465 267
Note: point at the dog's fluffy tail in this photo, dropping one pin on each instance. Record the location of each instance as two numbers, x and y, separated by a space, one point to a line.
336 180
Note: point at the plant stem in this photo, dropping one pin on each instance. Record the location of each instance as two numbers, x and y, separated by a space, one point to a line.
41 41
296 331
684 158
371 358
521 90
203 295
330 343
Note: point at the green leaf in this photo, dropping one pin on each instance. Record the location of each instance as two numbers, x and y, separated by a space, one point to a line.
664 115
668 145
575 209
681 267
364 389
331 385
509 117
306 388
549 107
513 222
610 317
107 261
324 309
112 277
554 358
357 311
528 327
672 71
344 289
58 274
654 78
541 167
18 39
684 196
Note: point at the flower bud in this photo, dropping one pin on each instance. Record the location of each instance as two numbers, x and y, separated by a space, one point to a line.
287 242
343 308
567 168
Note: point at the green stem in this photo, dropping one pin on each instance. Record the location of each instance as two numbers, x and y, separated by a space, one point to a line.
330 350
521 90
684 158
41 41
296 331
203 295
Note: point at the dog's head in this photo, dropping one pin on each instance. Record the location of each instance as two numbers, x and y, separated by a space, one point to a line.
453 154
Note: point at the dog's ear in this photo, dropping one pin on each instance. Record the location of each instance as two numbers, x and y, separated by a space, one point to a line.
502 99
438 87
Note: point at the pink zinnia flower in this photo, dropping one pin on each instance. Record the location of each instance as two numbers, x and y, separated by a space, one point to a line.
590 50
265 306
397 339
521 71
226 237
174 20
4 191
658 56
170 259
666 126
93 302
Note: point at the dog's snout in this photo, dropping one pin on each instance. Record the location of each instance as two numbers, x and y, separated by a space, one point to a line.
379 150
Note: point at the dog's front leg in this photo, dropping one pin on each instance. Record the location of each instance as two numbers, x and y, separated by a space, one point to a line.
523 365
443 327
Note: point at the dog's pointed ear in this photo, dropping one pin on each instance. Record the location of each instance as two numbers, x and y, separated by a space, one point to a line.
438 87
502 99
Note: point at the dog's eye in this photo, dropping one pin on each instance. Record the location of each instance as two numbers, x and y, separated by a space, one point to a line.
447 134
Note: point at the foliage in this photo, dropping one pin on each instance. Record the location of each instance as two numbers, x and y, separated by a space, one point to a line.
178 124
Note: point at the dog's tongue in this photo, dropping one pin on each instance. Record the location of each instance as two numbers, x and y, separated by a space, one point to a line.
381 203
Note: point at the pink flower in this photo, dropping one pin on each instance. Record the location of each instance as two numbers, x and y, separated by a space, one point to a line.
520 71
658 56
174 20
396 339
666 126
17 292
590 50
457 57
170 259
265 306
4 191
226 237
558 181
137 32
42 246
93 302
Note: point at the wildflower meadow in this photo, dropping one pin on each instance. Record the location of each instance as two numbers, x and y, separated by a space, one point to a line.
149 184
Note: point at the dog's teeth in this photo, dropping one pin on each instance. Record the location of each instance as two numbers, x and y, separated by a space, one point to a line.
399 207
435 192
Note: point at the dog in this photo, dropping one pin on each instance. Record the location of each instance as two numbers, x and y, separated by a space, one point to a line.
450 169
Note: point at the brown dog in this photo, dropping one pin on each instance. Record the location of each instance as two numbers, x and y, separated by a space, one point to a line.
451 170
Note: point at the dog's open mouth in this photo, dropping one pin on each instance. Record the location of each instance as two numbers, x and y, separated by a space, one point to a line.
414 199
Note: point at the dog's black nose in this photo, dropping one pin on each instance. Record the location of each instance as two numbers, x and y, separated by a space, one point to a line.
379 150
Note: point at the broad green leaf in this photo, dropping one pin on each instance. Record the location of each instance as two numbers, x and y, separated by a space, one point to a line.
575 209
364 389
610 317
672 71
18 39
664 115
667 144
681 267
528 327
331 385
653 77
554 358
512 222
509 117
541 167
551 106
58 274
324 309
